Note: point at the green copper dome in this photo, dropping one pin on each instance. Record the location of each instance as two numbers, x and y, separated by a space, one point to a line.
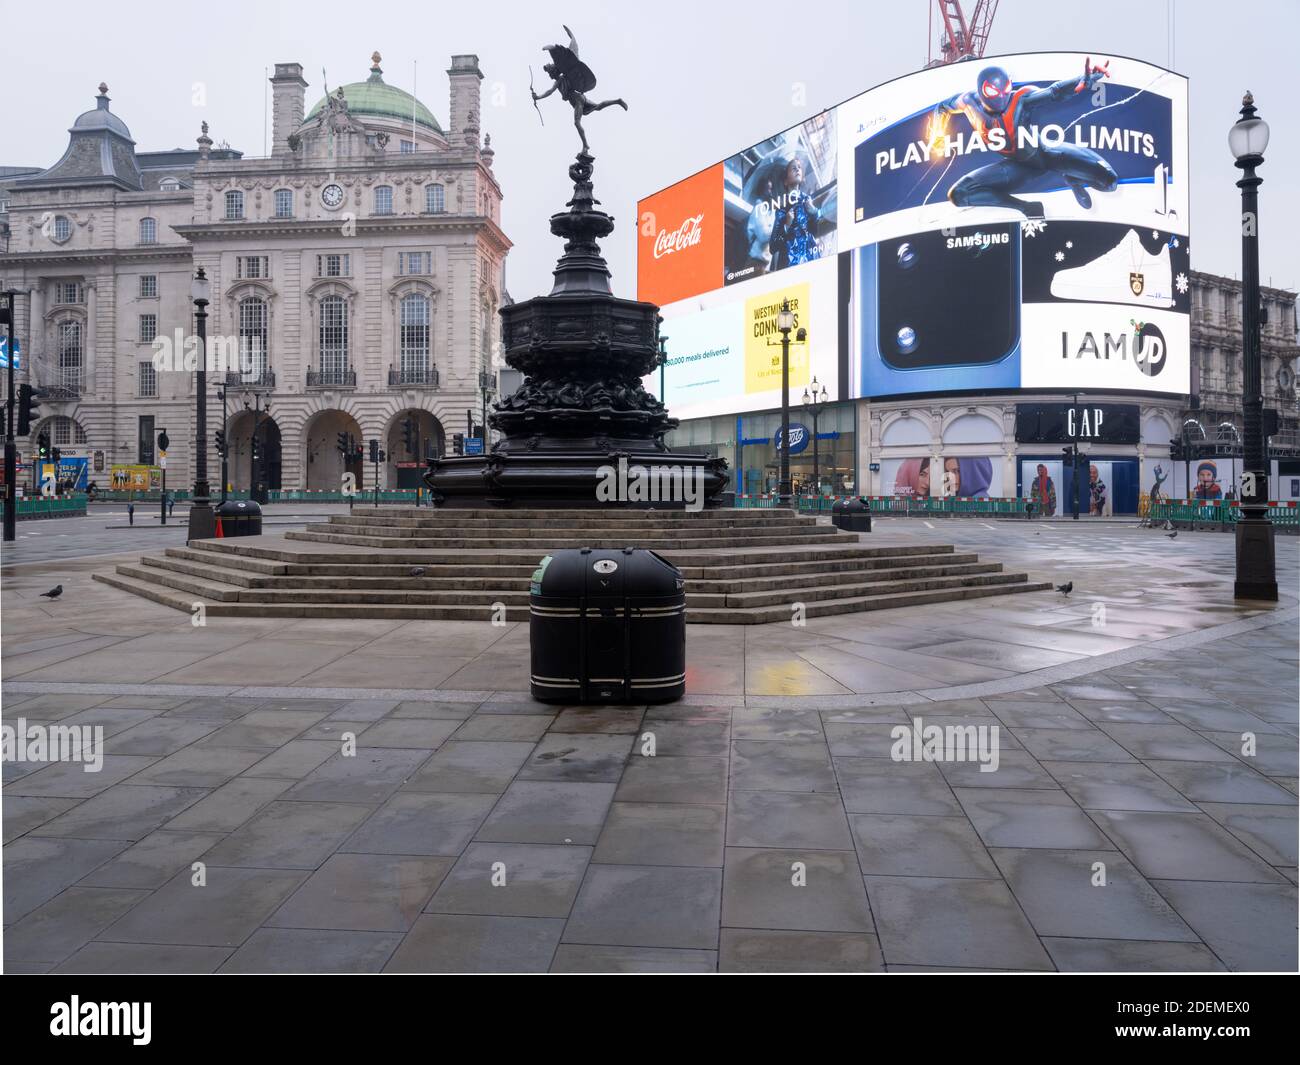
378 99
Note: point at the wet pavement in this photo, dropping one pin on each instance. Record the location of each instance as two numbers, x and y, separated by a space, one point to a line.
1142 814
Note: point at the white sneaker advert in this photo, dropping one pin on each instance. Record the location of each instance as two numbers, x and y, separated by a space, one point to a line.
1128 273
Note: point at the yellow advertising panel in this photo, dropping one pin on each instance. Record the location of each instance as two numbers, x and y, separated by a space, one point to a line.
135 478
763 340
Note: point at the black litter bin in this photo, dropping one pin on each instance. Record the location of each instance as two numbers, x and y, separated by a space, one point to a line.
607 627
240 517
852 515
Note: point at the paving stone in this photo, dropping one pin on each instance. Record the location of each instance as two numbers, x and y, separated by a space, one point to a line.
461 943
117 721
36 868
590 958
1176 846
313 950
548 811
1136 713
874 739
662 834
294 760
1216 717
601 719
1171 742
149 959
435 710
225 912
67 922
363 892
421 823
71 780
539 881
674 779
520 727
200 766
229 806
756 950
127 811
1130 955
1116 786
265 728
707 737
917 845
771 723
647 906
1012 818
1251 927
780 765
161 736
216 708
776 819
153 861
409 732
364 710
1222 782
948 922
1061 896
578 757
288 835
369 776
759 891
1275 754
873 786
1071 745
1270 831
24 813
1015 769
1024 715
471 766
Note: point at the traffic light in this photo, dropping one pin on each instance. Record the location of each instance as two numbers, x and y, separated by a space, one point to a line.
55 455
1067 457
344 444
374 450
164 442
383 455
27 406
408 436
252 440
43 446
458 443
221 442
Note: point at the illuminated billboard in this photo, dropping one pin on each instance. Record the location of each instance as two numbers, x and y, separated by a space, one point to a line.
1018 222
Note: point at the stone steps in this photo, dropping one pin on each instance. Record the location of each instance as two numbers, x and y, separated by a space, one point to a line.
741 567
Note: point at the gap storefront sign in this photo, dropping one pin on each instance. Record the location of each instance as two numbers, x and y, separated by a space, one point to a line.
1084 423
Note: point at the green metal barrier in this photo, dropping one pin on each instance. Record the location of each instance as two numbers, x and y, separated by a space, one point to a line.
52 507
1189 512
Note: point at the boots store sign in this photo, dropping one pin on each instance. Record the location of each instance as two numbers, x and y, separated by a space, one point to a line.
1067 423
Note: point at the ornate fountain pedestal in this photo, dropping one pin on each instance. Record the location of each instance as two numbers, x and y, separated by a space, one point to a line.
582 409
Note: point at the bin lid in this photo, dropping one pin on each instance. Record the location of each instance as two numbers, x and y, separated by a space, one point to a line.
602 572
237 507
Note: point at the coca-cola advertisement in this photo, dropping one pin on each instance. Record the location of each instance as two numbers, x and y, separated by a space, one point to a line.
781 201
679 239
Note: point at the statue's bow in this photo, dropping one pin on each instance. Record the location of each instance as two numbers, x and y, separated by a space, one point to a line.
532 92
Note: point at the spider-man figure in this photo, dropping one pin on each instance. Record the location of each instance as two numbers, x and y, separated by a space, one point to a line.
994 104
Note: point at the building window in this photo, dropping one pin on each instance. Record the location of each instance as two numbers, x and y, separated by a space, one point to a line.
64 432
144 440
252 266
68 292
414 262
148 381
414 343
434 199
234 205
148 286
169 184
253 320
71 354
284 203
384 199
333 265
148 231
408 147
148 328
333 336
62 229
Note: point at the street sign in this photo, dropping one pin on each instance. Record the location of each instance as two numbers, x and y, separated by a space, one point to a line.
473 445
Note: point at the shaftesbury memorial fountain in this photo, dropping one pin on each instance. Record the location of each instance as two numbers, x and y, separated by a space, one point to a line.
582 408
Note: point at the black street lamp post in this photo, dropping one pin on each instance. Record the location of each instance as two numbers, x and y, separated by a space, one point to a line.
1256 561
253 402
203 521
813 405
786 322
487 386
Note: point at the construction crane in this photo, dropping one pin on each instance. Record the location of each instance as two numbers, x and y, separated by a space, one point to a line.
960 38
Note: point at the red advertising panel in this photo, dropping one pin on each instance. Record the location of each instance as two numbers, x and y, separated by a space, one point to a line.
680 239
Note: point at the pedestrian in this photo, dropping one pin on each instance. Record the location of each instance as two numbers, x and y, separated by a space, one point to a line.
130 511
171 503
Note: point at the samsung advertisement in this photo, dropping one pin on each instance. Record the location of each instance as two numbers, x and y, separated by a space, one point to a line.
1018 222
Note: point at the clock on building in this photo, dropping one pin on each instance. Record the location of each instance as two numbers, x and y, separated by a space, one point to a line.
332 195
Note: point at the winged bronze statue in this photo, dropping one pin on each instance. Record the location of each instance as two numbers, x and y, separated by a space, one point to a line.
572 79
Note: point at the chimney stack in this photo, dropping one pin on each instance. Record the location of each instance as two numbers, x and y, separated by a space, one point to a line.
287 103
463 120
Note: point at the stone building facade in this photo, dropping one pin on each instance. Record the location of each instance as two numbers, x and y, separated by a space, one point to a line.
355 276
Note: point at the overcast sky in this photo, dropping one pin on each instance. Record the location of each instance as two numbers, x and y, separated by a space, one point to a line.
703 79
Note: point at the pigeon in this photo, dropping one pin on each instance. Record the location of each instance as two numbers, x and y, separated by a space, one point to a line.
1066 588
417 571
1173 534
53 593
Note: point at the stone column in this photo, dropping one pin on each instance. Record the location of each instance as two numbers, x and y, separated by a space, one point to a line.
92 336
35 327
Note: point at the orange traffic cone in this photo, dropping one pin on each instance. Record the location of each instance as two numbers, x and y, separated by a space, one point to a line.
220 534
